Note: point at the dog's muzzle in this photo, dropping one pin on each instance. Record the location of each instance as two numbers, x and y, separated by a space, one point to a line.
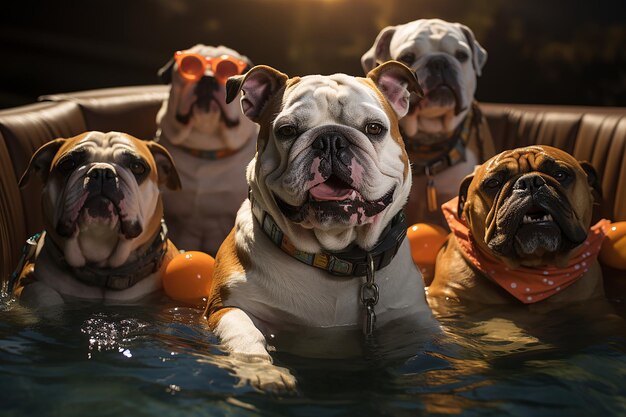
336 198
535 214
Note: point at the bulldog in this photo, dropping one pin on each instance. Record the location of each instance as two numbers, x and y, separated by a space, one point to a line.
320 243
104 238
211 142
521 232
445 134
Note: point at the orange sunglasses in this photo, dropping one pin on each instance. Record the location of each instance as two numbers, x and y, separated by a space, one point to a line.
192 66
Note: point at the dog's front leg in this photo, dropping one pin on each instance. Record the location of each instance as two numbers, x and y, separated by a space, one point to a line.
251 363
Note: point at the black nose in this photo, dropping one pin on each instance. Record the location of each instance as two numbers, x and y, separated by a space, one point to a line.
207 83
333 144
101 180
529 182
102 174
438 64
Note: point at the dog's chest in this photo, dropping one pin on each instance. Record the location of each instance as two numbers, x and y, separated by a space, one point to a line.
286 292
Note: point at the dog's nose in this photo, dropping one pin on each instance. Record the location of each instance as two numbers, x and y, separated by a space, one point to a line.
101 174
102 178
208 83
438 64
332 143
529 182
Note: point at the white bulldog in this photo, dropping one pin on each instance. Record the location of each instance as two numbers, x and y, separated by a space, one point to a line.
327 189
102 207
211 142
444 132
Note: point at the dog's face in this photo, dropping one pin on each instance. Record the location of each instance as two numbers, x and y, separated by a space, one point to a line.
331 167
446 59
101 194
196 114
530 206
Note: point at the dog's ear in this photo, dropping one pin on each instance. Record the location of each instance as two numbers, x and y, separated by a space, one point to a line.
165 72
463 190
41 161
396 82
593 179
259 85
379 52
166 169
479 54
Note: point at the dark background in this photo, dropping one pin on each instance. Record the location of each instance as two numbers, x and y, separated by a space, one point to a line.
540 51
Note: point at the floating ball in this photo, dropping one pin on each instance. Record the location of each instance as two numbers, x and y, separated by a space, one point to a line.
187 277
426 240
613 252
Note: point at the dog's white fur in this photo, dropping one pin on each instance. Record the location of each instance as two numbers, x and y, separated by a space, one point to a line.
415 44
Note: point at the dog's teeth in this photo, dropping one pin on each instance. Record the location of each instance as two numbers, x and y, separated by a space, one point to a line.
526 219
547 217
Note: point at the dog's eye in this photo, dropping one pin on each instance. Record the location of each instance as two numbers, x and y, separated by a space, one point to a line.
286 131
137 168
492 183
66 166
461 56
374 129
561 175
407 59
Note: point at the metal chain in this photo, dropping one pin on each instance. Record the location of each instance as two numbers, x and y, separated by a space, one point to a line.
369 298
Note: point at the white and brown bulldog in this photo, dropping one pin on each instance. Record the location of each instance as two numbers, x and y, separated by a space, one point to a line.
211 142
321 241
102 208
444 132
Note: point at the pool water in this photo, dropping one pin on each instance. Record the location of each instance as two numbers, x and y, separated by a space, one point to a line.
160 360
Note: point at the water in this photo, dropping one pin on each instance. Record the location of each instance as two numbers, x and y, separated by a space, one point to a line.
160 360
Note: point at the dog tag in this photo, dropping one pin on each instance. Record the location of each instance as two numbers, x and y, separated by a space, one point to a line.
431 192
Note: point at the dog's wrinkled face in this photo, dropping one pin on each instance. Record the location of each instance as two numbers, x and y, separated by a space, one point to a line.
446 59
331 167
101 195
196 114
530 206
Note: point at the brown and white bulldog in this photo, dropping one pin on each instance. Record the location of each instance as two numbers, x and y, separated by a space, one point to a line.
445 134
211 142
521 232
327 189
102 209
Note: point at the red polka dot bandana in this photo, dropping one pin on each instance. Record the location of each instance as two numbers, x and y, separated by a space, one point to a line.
529 285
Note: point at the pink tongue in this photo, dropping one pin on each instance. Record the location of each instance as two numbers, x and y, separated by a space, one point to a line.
325 192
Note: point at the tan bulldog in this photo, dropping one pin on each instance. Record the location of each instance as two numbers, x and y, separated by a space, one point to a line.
445 134
103 237
521 232
321 241
211 142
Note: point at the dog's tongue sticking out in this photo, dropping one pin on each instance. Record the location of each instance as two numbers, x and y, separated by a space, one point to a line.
332 190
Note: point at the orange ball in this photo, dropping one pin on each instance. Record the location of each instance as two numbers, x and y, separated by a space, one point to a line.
613 252
426 240
187 277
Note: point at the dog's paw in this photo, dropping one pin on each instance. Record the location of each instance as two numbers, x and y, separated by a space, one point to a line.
264 376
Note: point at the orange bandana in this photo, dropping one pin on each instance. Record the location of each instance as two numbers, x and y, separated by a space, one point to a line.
529 285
